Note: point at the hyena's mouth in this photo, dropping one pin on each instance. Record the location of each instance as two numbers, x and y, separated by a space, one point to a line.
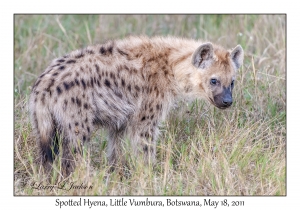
219 103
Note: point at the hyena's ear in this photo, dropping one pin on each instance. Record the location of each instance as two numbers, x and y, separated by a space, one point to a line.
203 56
237 56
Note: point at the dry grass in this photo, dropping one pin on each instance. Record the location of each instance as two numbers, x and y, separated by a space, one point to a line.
201 150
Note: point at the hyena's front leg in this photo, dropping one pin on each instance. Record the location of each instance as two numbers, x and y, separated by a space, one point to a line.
143 141
114 148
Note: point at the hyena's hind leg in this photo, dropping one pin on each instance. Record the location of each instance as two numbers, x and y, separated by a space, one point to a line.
77 129
72 143
45 130
68 160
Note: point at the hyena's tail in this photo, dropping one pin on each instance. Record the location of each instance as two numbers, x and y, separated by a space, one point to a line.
45 131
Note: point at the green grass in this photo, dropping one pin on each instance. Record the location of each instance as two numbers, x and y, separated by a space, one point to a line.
201 150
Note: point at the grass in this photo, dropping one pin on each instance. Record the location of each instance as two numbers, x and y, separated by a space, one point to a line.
201 150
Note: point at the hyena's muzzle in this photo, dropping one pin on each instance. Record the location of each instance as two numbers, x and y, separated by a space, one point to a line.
224 99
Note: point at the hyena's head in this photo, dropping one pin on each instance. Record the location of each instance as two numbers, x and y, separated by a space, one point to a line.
216 69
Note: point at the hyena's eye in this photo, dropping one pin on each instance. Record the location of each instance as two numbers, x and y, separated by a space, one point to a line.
213 81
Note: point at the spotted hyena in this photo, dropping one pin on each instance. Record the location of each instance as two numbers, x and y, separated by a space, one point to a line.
127 87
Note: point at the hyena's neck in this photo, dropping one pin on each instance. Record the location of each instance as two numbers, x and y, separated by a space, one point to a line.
184 72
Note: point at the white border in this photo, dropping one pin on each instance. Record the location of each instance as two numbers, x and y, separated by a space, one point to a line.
112 6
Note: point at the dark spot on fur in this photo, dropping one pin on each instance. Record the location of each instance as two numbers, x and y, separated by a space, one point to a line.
107 83
84 138
122 53
37 83
110 49
85 106
83 83
123 82
92 82
61 68
90 52
73 100
152 117
157 106
80 55
66 85
138 55
116 83
129 88
112 75
71 84
65 105
151 59
59 91
77 82
42 75
97 68
71 61
102 50
78 101
134 70
58 64
43 98
137 88
88 128
70 126
86 120
143 118
119 94
65 75
61 60
76 123
55 74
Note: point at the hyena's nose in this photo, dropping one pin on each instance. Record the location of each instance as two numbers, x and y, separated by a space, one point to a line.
227 101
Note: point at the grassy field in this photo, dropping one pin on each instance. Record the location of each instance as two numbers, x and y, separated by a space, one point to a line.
201 150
